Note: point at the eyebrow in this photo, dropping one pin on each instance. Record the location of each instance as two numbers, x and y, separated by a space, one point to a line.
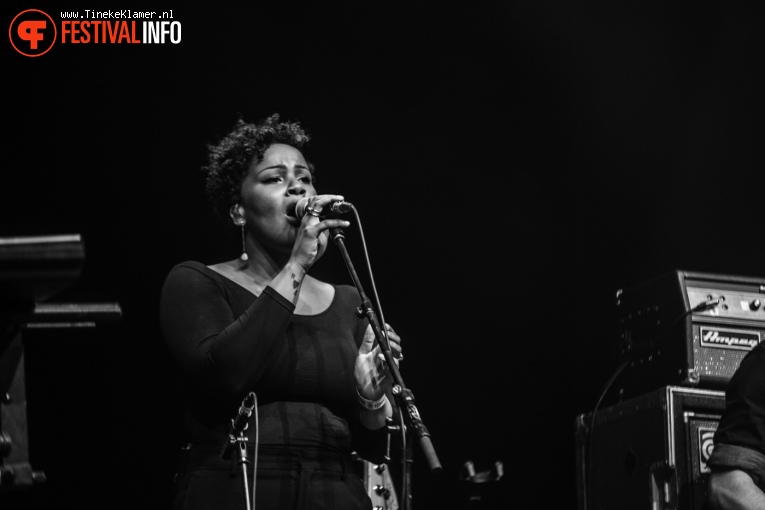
283 167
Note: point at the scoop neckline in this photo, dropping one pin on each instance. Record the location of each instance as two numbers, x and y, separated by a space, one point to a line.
331 303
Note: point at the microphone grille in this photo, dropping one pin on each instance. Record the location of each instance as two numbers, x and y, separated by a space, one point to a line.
300 207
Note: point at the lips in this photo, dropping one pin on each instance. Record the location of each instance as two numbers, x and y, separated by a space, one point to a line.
291 214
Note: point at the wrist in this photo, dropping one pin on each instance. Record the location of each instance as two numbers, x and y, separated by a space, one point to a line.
371 405
296 269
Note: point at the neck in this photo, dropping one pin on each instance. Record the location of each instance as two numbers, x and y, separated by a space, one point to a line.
262 265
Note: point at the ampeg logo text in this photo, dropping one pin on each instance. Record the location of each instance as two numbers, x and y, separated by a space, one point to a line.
723 338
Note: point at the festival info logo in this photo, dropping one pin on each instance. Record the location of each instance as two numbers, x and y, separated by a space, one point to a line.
32 33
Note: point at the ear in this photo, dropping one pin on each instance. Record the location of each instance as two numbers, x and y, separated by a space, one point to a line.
237 214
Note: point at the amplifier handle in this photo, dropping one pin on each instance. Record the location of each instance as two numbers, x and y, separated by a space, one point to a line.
663 486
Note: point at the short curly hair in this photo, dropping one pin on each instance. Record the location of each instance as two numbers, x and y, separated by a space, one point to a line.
230 158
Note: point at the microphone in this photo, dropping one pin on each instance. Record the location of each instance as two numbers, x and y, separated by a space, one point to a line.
334 209
239 423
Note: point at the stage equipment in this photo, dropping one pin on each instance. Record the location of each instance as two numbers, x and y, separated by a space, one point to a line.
688 329
379 486
237 439
378 479
476 485
648 452
32 270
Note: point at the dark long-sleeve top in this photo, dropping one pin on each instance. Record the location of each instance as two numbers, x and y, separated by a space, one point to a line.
228 342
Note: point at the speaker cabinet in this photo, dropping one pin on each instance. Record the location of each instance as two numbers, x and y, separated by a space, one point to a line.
649 452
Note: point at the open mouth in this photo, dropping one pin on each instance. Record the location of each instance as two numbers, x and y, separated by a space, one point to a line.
291 214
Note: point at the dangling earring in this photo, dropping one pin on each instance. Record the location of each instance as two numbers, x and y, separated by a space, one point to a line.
244 257
238 219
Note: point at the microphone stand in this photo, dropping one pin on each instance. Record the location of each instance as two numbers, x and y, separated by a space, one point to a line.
244 460
239 441
403 395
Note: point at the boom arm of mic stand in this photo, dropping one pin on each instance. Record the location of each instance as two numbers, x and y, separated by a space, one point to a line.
403 395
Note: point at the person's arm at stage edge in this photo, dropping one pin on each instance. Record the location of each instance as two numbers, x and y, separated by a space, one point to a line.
737 461
734 490
735 480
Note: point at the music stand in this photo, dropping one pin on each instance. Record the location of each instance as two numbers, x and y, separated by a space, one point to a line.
32 270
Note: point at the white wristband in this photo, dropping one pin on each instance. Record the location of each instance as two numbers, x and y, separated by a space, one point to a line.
372 405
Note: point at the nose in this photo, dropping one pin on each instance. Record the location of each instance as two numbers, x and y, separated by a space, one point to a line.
296 187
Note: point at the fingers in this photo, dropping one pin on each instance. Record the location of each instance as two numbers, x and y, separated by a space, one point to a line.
371 372
314 223
381 371
317 203
316 229
394 341
333 223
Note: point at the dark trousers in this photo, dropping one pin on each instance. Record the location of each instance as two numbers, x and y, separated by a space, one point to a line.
287 479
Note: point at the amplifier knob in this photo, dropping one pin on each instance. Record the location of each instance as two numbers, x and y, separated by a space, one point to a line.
754 304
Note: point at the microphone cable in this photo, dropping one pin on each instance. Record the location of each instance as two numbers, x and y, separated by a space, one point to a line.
255 452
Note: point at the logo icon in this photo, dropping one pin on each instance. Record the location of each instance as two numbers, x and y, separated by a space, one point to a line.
32 33
706 445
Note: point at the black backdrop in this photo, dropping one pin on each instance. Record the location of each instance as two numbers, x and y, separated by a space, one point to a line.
513 163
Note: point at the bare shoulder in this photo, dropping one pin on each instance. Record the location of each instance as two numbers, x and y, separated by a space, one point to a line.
315 296
319 286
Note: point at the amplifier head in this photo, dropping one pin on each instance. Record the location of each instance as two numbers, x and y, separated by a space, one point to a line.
687 328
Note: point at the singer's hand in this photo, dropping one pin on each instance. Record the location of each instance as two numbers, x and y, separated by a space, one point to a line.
311 240
372 373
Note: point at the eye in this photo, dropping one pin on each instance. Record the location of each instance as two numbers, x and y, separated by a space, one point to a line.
269 180
306 179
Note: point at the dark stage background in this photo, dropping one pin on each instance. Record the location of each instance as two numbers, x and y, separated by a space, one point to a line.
513 163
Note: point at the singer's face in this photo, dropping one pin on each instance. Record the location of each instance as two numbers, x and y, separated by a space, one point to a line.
270 190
